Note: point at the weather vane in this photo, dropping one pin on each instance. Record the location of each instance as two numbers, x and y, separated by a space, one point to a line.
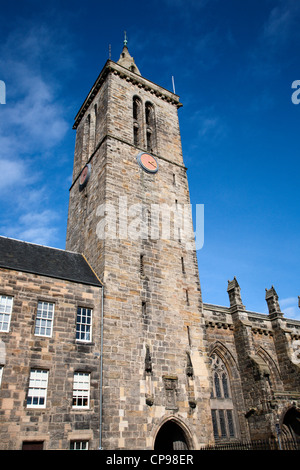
125 39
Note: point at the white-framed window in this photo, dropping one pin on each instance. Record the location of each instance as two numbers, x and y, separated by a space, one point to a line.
79 445
6 304
37 391
81 390
44 319
84 324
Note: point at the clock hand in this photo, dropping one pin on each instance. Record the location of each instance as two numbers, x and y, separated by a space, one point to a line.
151 163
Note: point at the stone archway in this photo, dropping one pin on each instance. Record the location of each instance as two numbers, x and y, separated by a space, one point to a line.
291 424
171 436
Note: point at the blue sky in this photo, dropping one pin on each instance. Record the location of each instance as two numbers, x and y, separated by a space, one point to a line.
233 62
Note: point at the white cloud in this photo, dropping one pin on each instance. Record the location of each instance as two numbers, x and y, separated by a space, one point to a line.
34 121
39 235
12 173
289 307
33 124
40 219
282 23
36 227
32 60
279 32
209 124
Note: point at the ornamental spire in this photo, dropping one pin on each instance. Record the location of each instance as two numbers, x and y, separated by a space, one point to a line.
125 58
125 39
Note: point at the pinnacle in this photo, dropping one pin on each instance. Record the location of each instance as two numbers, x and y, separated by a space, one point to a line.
126 60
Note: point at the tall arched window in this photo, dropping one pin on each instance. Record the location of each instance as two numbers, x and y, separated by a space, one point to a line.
222 408
86 140
150 127
137 121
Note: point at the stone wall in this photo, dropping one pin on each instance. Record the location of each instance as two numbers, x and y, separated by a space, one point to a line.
262 355
61 355
155 307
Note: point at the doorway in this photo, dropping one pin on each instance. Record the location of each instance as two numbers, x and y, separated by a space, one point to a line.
32 445
171 437
291 424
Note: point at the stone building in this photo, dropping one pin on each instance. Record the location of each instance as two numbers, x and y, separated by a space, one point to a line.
49 351
107 344
257 357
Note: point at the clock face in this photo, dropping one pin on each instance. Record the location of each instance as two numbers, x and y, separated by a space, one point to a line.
147 162
84 176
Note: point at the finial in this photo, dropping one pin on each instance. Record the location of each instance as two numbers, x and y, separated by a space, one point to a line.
126 60
272 301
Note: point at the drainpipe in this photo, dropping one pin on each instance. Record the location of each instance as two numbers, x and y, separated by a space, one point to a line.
101 354
101 369
277 427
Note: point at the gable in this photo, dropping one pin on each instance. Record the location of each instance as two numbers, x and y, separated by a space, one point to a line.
46 261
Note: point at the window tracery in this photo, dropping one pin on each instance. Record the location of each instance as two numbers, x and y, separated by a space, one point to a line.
220 375
144 127
222 408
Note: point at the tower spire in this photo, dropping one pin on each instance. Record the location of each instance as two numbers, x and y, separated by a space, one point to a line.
125 58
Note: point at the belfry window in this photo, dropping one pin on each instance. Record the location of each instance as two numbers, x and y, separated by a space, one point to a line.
149 114
137 121
136 105
136 135
150 126
86 139
149 141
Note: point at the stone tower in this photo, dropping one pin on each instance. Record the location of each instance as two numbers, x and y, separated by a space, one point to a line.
129 215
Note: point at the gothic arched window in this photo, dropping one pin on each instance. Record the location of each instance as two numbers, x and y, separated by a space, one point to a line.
86 140
137 121
150 126
222 408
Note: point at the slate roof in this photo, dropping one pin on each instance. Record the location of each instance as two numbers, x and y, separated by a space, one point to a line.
46 261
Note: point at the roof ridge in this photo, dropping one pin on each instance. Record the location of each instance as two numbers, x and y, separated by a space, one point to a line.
39 244
45 261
